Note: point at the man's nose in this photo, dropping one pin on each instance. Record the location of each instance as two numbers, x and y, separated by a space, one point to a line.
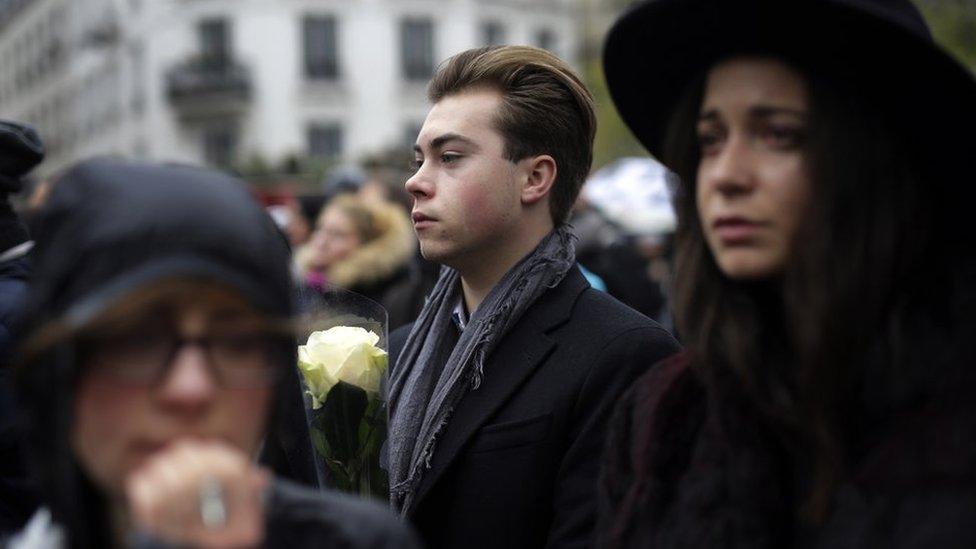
419 185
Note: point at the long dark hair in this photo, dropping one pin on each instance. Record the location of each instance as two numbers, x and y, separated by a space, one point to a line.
848 305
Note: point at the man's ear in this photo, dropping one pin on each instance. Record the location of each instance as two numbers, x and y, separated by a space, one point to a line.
540 174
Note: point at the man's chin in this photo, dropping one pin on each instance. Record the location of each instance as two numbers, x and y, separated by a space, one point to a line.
433 254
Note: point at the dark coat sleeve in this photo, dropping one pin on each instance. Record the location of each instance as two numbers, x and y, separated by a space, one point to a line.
288 446
19 495
299 518
621 361
651 436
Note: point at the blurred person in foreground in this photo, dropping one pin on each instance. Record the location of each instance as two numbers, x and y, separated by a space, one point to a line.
20 151
824 284
504 385
362 246
158 362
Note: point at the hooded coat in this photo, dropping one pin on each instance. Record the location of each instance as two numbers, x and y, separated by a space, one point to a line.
109 228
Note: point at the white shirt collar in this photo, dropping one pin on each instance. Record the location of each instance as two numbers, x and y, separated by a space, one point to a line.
460 315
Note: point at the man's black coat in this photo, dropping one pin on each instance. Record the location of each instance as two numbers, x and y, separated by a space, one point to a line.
517 465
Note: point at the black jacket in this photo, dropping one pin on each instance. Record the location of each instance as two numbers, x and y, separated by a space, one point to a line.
14 275
692 462
517 465
300 517
18 495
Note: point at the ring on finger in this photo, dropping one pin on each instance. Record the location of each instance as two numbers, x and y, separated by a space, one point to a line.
213 509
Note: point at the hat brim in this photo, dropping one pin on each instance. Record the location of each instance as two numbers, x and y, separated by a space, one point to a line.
656 51
145 274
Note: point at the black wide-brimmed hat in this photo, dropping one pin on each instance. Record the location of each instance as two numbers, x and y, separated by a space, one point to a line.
658 48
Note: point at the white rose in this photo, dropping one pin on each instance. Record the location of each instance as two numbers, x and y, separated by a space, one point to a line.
342 353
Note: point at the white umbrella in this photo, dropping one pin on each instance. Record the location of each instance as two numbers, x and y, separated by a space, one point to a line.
634 193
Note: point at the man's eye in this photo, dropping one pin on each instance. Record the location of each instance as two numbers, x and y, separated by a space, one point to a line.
450 158
416 163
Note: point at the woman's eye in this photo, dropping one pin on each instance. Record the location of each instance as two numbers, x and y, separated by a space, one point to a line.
416 163
450 158
783 137
709 141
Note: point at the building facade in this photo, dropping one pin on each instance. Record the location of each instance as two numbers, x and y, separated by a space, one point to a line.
225 82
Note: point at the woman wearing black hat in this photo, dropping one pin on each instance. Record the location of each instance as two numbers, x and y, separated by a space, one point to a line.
824 284
156 361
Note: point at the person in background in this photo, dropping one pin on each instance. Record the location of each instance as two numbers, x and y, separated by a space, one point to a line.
345 179
157 359
824 286
501 390
291 220
364 247
613 255
20 151
385 184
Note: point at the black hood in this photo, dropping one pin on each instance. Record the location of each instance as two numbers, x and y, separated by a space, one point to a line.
111 227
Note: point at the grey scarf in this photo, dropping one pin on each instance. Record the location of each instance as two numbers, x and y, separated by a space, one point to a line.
422 399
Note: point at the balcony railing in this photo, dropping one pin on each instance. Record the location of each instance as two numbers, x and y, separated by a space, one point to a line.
199 86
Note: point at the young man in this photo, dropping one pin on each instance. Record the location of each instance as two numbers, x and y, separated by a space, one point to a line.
501 391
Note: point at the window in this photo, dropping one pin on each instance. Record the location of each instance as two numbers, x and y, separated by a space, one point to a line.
492 33
417 48
137 60
545 39
321 47
214 42
325 141
219 144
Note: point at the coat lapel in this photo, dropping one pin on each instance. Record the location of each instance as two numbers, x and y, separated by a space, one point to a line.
513 361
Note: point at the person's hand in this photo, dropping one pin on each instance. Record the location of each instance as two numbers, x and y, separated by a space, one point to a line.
199 493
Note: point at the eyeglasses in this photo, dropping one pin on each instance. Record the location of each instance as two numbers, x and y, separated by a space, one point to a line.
236 358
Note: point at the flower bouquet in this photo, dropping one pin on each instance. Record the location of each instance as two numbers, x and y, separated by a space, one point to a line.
343 370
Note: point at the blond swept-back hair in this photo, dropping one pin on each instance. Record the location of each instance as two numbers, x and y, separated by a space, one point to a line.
546 109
